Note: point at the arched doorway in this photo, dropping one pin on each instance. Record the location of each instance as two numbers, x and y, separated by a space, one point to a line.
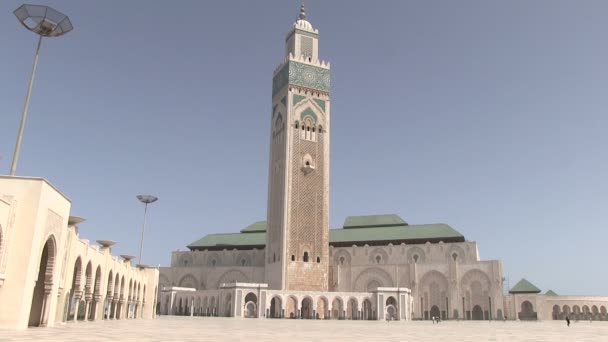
477 313
251 305
291 310
41 297
276 307
556 313
352 309
228 309
527 311
367 309
391 309
321 308
307 310
435 311
336 308
76 292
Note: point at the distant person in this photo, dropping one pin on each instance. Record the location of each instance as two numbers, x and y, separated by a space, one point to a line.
568 320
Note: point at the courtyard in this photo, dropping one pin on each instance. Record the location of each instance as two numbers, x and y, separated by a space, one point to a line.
175 328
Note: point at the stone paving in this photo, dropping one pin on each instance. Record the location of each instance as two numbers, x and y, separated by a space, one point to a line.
229 329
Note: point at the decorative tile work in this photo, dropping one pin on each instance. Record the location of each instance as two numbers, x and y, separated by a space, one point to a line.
309 112
309 76
297 98
303 75
321 104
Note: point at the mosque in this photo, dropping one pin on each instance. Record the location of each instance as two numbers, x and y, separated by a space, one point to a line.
376 267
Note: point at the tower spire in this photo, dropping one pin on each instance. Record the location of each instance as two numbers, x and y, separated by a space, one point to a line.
302 15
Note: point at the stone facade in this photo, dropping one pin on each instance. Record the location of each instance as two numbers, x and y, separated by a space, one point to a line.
294 266
49 275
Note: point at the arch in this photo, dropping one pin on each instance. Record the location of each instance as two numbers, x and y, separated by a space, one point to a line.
205 306
372 274
378 256
96 293
391 309
276 307
307 308
189 281
213 260
476 287
251 305
556 312
232 276
434 288
41 297
416 255
527 311
477 313
566 310
322 308
88 286
455 253
352 308
367 309
291 308
373 285
434 312
337 308
243 259
342 258
586 312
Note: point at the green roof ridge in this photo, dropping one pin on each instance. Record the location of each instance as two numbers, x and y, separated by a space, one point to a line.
524 286
367 221
551 293
259 226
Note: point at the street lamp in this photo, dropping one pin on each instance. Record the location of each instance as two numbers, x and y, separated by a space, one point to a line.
146 199
45 22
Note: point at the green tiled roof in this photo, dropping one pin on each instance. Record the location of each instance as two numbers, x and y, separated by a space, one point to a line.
259 226
373 221
254 236
229 241
524 286
551 293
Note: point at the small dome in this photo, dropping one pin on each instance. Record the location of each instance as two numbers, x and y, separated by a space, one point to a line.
303 24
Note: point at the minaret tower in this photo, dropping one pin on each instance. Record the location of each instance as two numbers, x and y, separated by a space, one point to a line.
297 242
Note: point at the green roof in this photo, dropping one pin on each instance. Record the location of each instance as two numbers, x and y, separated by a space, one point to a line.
254 236
221 241
259 226
551 293
524 286
373 221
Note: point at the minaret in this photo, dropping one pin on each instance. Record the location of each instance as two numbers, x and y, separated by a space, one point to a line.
297 242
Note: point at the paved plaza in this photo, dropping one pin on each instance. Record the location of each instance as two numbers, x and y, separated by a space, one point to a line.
229 329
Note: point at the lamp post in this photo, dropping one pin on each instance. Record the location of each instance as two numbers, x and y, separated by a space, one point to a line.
45 22
145 199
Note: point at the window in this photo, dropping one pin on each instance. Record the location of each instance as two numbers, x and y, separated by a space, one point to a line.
318 260
305 258
342 260
243 262
416 258
293 258
297 123
378 259
274 257
454 256
213 262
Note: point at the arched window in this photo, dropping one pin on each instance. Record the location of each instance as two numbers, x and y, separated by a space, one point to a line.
297 124
243 262
274 257
378 259
293 257
213 262
318 260
305 258
416 258
454 256
341 260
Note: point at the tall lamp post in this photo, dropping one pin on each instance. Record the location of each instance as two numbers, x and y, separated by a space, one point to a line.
145 199
45 22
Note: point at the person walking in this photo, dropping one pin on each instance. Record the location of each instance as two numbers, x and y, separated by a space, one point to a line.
568 320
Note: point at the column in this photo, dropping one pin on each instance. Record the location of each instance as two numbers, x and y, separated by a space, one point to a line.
77 297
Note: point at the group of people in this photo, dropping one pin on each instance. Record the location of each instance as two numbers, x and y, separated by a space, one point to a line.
436 319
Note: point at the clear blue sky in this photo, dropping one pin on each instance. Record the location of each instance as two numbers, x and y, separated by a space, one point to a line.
489 116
